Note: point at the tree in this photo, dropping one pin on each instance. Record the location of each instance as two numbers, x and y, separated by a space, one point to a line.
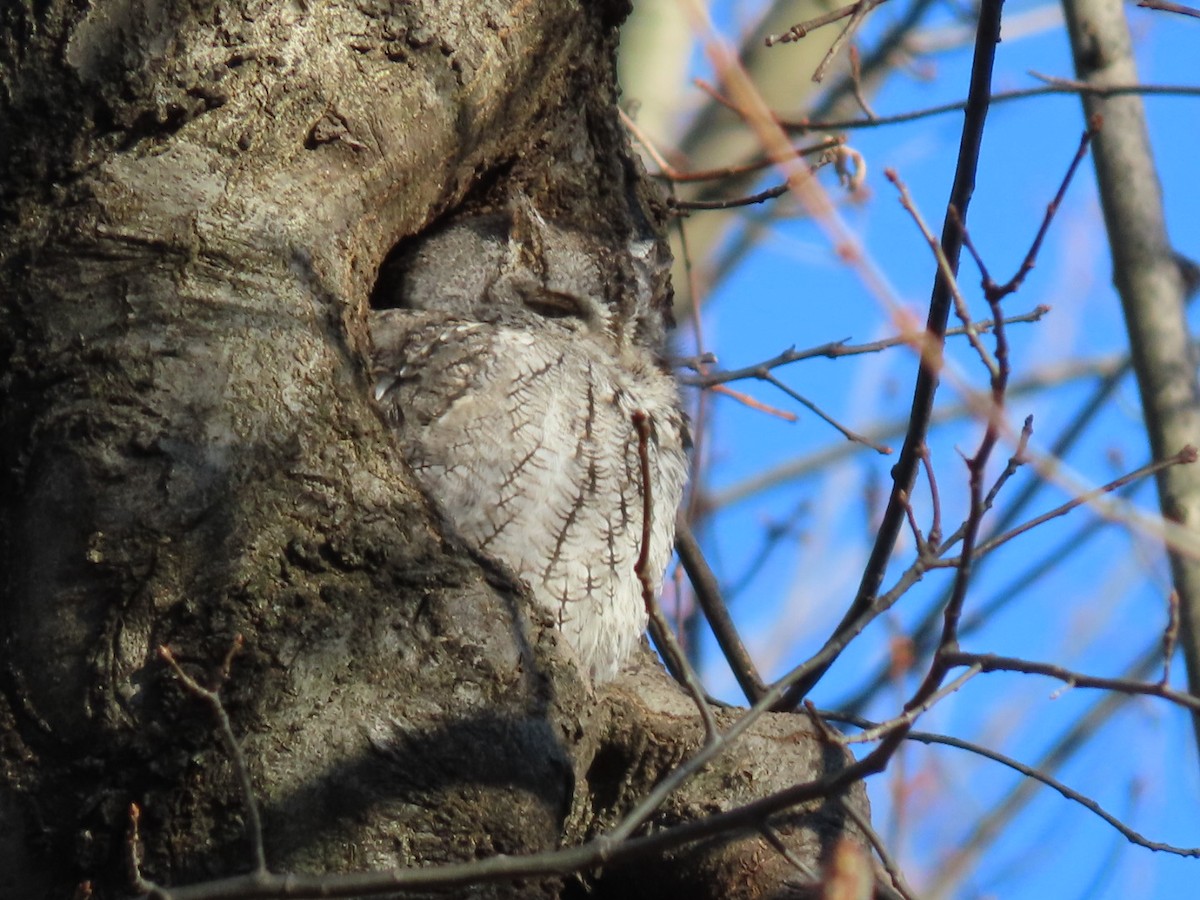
244 655
236 634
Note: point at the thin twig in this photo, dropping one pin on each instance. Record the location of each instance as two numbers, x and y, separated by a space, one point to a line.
642 138
1168 6
985 506
801 30
680 176
990 662
995 292
1170 635
1032 773
935 501
212 698
838 349
772 838
1186 456
923 546
860 96
890 865
1015 462
757 405
761 197
945 270
1054 88
708 595
913 712
855 12
816 410
861 9
904 472
134 853
669 646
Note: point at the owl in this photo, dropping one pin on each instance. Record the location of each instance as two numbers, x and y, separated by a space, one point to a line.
511 372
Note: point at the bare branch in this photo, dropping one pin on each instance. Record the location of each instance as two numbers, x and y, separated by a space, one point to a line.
935 499
859 15
772 838
812 407
761 197
679 176
708 594
1168 6
669 646
748 401
913 711
802 29
989 662
860 96
904 473
995 292
1109 368
945 270
212 699
1170 636
1034 774
1148 278
1186 456
1056 86
890 865
838 349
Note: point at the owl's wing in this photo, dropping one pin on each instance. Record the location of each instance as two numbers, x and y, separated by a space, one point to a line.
409 347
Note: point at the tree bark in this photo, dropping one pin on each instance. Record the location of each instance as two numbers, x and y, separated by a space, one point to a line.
1153 288
197 200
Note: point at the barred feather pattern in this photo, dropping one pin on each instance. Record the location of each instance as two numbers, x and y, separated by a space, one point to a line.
520 426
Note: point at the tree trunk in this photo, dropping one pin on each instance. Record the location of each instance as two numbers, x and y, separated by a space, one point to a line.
197 200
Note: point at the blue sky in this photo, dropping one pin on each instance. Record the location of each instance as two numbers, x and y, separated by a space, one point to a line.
1096 610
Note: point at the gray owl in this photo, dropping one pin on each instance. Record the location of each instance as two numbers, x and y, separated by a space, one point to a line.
511 375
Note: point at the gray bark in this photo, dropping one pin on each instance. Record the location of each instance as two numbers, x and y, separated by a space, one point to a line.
1153 288
197 199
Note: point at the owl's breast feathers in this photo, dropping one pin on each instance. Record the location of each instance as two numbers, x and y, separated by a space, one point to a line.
521 428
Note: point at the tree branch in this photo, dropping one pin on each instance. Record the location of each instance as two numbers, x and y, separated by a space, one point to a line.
904 474
1149 280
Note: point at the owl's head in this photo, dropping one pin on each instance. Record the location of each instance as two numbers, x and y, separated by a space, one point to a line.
519 269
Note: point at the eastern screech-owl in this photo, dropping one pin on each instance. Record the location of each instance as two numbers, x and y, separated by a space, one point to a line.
512 372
